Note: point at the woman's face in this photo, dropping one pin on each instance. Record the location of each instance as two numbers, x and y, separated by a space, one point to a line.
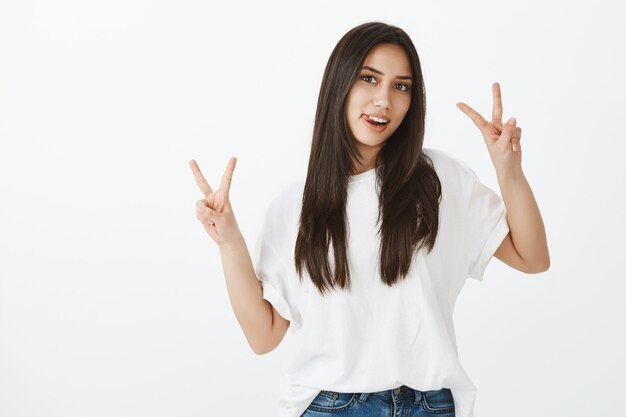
382 88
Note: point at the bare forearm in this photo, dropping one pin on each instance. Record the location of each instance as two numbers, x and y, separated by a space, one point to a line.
525 223
253 313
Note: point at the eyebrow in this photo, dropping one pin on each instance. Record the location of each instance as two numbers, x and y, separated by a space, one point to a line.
401 77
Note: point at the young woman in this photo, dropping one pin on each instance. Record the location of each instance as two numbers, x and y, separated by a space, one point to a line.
363 260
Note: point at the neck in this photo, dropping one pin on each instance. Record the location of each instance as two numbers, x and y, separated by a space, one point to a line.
369 162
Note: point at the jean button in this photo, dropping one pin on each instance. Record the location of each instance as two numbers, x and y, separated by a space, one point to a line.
396 391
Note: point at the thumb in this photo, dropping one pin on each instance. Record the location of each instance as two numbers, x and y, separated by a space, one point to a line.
220 200
508 130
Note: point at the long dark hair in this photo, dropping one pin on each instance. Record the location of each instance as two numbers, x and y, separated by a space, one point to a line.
410 191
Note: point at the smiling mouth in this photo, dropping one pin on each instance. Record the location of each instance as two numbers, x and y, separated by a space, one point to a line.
374 122
375 126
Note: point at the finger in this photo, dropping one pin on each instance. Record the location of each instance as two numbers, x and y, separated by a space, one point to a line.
204 220
226 179
201 204
206 214
508 132
473 114
202 183
496 115
220 200
516 140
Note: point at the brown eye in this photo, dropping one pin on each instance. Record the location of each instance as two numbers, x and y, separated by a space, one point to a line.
406 87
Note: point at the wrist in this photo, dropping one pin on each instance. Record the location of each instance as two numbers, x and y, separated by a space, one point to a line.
234 242
514 174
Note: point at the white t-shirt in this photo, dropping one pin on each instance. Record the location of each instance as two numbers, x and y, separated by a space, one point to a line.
376 337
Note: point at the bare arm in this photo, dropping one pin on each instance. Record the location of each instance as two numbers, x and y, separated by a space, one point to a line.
254 314
261 324
526 247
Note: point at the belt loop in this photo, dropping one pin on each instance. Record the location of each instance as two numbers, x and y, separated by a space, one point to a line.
363 397
418 396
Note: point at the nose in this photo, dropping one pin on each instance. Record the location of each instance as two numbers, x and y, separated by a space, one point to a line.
381 99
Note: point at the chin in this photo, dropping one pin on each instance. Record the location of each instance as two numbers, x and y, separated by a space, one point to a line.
371 141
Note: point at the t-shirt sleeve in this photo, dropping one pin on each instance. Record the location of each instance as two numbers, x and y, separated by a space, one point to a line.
486 227
280 287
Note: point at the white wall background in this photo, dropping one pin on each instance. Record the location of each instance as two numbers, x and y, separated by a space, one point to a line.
112 295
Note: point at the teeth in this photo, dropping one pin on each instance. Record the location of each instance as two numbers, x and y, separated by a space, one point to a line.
377 119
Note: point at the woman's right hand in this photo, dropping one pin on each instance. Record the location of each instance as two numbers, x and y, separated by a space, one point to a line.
214 211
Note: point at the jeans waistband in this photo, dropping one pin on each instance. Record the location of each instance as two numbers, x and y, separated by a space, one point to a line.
396 394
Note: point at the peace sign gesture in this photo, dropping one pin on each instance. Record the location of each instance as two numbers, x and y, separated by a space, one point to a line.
503 141
214 211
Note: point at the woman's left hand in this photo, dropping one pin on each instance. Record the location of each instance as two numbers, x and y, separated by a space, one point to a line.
503 141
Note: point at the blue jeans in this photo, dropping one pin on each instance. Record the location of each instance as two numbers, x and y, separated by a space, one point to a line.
403 401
